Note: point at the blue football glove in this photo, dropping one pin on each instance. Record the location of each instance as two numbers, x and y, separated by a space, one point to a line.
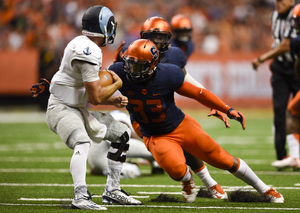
41 88
233 114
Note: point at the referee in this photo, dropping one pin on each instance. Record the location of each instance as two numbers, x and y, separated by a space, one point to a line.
283 80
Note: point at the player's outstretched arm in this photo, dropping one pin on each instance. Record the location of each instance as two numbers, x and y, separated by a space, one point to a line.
41 88
210 100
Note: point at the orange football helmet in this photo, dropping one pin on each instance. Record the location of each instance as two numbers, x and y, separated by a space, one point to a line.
157 30
140 60
296 17
182 28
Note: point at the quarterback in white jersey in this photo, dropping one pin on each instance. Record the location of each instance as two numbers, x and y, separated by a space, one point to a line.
76 83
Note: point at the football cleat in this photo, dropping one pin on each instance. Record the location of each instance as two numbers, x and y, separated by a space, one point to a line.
118 197
217 192
85 202
188 190
287 162
275 197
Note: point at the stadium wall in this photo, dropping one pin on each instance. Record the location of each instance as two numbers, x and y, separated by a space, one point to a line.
230 77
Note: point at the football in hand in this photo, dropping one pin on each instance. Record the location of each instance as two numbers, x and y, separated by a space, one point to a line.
105 78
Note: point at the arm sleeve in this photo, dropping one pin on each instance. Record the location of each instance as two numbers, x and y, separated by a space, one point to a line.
203 96
193 81
88 71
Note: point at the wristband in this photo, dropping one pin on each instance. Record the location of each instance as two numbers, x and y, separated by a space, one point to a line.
228 112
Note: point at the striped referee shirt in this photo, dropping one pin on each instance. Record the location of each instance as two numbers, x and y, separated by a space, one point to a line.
281 28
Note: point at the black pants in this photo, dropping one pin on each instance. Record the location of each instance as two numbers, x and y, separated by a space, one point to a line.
284 83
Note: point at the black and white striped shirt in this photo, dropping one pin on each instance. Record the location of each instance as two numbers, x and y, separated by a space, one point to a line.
281 28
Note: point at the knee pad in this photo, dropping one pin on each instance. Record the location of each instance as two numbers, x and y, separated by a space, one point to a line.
121 147
125 137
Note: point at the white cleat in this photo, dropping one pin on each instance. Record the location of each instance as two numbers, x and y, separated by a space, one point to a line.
275 197
119 197
287 162
188 190
86 203
217 192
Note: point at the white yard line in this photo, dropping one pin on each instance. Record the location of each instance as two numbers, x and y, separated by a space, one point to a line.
20 170
167 207
226 188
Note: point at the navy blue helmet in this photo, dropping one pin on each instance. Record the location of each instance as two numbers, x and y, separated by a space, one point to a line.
99 21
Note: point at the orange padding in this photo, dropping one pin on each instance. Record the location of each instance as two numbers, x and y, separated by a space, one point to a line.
203 96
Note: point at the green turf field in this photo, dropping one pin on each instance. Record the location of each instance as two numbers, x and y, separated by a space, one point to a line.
35 177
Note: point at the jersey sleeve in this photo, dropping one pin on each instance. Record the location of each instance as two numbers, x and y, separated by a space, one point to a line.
176 76
88 71
177 57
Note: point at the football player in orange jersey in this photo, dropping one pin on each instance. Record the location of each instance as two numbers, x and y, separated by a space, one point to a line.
158 30
166 130
182 38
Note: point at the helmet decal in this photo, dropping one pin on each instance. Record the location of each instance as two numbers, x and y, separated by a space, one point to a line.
154 52
104 20
140 60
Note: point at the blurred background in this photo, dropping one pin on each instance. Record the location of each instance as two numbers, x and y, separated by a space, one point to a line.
227 36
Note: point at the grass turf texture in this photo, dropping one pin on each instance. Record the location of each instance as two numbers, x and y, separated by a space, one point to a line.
34 163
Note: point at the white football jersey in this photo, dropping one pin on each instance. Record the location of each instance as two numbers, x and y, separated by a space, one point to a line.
67 85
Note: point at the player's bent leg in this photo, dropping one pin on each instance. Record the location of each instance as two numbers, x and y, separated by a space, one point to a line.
245 173
169 155
116 156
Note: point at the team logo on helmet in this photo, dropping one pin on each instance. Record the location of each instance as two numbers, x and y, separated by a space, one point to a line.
154 52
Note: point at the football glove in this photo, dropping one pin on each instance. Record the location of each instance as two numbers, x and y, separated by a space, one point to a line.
219 115
41 88
233 114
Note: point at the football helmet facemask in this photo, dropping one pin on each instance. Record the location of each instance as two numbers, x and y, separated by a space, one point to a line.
140 60
182 28
296 18
157 30
99 21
